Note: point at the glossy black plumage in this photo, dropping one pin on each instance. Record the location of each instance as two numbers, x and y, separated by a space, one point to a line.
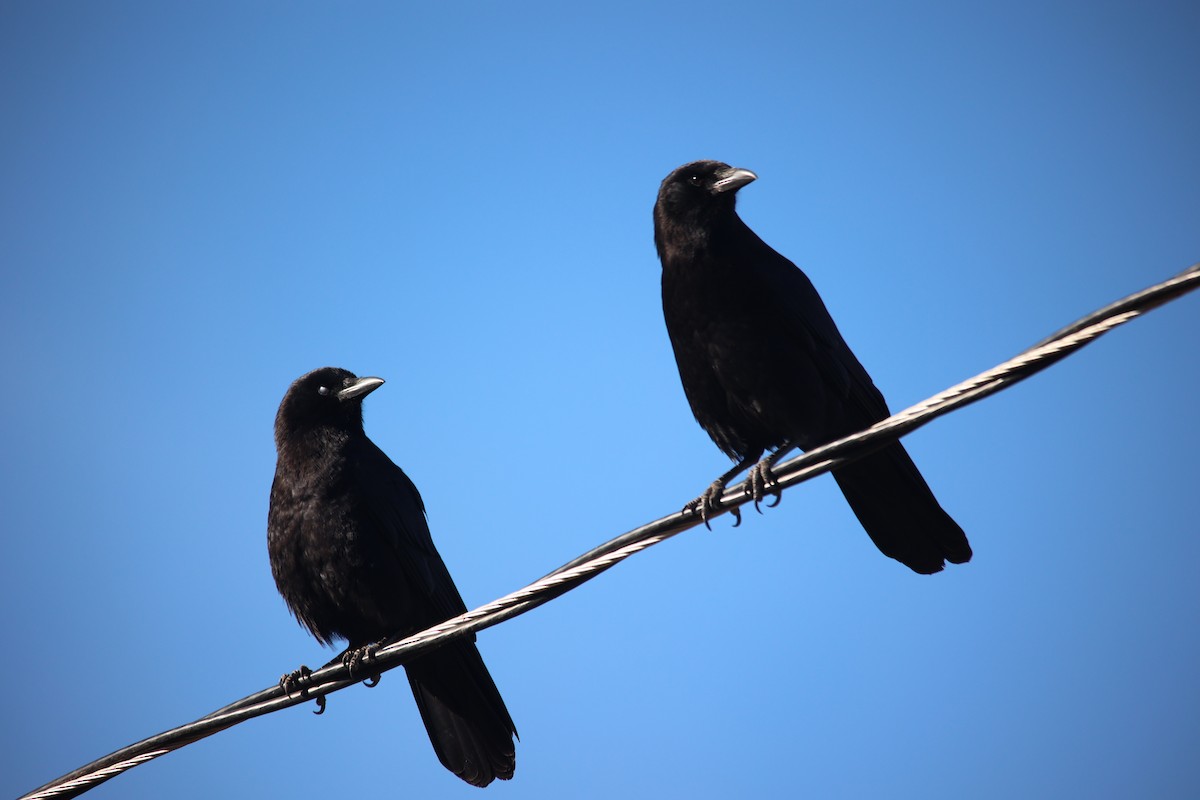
764 366
352 556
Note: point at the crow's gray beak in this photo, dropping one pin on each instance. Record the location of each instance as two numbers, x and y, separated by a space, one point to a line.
732 179
360 388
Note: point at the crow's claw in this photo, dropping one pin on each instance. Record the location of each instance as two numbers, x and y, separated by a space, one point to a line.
709 502
371 682
298 681
294 681
699 506
761 483
353 659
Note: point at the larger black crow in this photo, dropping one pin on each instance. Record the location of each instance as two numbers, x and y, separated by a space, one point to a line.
764 367
352 556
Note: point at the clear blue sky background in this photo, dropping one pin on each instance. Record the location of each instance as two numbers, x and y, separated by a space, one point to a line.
200 202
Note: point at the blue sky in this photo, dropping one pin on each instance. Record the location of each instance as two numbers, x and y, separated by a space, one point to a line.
200 202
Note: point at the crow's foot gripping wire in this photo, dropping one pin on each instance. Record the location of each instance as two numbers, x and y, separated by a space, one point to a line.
296 681
707 504
761 482
354 659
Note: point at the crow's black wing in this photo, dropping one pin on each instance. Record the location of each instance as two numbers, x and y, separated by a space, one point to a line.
394 528
811 351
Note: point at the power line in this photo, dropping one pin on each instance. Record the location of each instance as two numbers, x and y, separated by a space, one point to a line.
335 676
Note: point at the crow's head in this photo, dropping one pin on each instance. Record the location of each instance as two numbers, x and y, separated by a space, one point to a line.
324 398
695 197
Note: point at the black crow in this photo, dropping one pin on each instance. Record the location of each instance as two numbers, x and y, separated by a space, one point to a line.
352 556
765 369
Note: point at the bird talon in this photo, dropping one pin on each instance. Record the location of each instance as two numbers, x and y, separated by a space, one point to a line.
295 680
352 660
372 681
762 485
704 506
755 492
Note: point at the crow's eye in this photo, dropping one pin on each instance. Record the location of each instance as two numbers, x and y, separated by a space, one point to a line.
696 180
323 390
